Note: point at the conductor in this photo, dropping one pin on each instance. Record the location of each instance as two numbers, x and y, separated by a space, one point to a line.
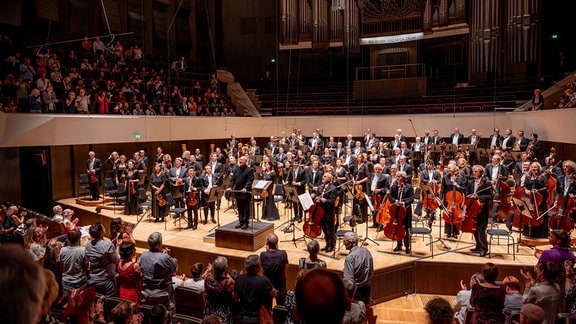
241 186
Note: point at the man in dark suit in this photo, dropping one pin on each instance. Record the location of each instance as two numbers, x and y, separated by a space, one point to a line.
297 179
401 137
395 142
474 138
358 149
315 139
456 138
522 142
508 140
93 168
480 189
436 139
217 167
339 151
402 195
349 142
314 177
377 188
427 139
405 167
495 139
241 183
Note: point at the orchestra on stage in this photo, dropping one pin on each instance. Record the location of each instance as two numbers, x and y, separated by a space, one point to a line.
460 183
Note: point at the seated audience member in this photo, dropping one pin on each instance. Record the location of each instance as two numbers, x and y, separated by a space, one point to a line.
123 313
158 315
356 311
24 303
253 290
69 223
312 260
462 301
219 287
129 275
57 214
531 314
157 269
320 297
73 262
197 280
35 243
439 311
513 300
487 297
541 289
102 257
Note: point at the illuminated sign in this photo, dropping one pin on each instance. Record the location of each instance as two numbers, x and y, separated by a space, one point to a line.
392 39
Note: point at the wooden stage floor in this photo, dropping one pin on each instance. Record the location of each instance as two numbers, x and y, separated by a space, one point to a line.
192 246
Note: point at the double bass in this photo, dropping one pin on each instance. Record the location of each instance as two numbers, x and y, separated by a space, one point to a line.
471 210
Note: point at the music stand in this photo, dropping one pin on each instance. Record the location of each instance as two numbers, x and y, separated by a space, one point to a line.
524 211
517 156
292 195
366 237
442 207
216 194
259 186
451 148
226 184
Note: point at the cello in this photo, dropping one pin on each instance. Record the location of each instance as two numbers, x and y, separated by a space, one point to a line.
395 230
471 210
311 226
452 214
563 205
501 197
383 215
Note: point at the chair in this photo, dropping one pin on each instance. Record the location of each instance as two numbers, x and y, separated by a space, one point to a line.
183 319
279 314
498 233
424 231
109 186
84 183
175 211
352 221
340 237
144 204
190 302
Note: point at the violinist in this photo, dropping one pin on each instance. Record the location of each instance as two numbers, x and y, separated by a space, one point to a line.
325 196
209 182
131 178
361 176
378 188
431 178
314 177
177 173
158 182
402 194
452 183
193 184
340 177
479 188
535 185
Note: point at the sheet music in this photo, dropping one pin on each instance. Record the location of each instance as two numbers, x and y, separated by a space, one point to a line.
306 201
261 184
369 201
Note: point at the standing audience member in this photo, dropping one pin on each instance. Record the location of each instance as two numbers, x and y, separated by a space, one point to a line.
73 262
356 311
129 274
274 264
253 291
320 297
462 301
197 281
560 251
358 266
24 302
157 268
312 261
50 295
290 304
487 297
102 256
219 288
541 289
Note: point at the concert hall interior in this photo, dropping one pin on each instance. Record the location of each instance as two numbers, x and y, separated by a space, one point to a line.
356 86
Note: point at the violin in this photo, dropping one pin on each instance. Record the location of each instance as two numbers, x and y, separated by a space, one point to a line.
160 200
132 188
192 199
359 192
92 176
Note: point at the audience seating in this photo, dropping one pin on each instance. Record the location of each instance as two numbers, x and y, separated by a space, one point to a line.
190 302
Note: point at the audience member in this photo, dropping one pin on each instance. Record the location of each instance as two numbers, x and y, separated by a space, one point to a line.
541 289
73 262
219 287
253 291
35 243
157 269
129 274
560 251
290 304
158 315
24 302
103 257
320 297
312 261
358 266
439 311
274 263
513 299
462 301
356 311
197 281
532 314
487 297
50 296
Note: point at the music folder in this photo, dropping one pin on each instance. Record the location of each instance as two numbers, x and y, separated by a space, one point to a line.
306 201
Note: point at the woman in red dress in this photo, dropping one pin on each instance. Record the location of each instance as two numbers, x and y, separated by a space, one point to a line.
129 274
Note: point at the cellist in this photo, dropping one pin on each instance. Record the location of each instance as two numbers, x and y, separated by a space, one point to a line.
495 172
481 189
378 188
326 195
431 178
402 193
452 182
536 183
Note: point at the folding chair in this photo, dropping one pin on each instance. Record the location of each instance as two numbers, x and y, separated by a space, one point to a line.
174 211
84 183
143 204
498 233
